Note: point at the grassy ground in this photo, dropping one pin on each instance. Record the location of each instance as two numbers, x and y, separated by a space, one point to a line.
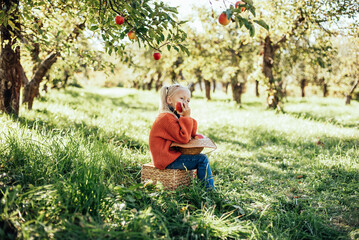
70 169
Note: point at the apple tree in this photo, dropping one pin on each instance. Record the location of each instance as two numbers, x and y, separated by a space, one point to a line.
288 21
57 27
222 53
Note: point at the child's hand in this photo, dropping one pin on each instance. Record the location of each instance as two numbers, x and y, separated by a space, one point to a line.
186 110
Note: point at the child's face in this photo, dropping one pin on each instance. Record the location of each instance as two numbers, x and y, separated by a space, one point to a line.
181 95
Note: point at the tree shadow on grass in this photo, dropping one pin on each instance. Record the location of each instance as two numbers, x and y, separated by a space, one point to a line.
276 159
314 117
63 125
324 119
253 104
129 101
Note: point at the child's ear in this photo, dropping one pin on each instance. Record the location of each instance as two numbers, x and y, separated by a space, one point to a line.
168 99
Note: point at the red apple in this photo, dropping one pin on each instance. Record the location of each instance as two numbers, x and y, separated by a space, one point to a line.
223 19
179 107
240 3
131 35
199 136
119 20
157 56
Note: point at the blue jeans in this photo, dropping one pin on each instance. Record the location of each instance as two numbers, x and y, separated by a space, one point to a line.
199 162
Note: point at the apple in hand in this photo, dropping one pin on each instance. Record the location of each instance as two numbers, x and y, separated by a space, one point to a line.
198 136
119 20
240 3
223 19
179 107
131 35
157 56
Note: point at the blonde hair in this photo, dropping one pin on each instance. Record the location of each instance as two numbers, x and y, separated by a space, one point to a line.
168 91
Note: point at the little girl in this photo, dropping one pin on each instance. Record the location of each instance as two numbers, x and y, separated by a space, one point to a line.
171 126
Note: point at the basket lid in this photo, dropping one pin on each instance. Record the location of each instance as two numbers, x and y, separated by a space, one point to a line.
193 143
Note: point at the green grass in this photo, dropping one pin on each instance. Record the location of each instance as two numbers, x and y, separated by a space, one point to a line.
70 169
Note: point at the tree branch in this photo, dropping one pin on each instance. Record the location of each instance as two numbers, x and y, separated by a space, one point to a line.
299 20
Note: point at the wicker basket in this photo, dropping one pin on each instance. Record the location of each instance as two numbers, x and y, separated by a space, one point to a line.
170 178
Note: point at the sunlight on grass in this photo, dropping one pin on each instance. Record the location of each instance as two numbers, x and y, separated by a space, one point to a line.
71 168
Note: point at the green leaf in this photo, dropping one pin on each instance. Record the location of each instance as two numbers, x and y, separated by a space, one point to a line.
12 25
184 49
252 10
229 13
244 21
93 27
182 22
169 47
262 23
151 33
251 30
249 26
250 2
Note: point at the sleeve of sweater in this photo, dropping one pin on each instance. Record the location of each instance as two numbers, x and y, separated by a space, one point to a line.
194 129
178 130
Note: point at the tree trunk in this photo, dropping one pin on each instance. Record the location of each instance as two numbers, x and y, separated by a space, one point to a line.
348 96
325 89
173 76
66 78
273 98
268 59
225 87
11 71
180 73
158 81
191 88
31 90
214 85
207 85
200 84
257 88
237 90
35 51
303 83
348 99
149 85
198 74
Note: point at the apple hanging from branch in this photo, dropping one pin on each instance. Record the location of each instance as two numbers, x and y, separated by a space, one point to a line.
240 3
119 20
131 35
157 56
223 19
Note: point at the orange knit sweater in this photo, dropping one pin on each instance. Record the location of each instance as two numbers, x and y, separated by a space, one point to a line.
165 130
